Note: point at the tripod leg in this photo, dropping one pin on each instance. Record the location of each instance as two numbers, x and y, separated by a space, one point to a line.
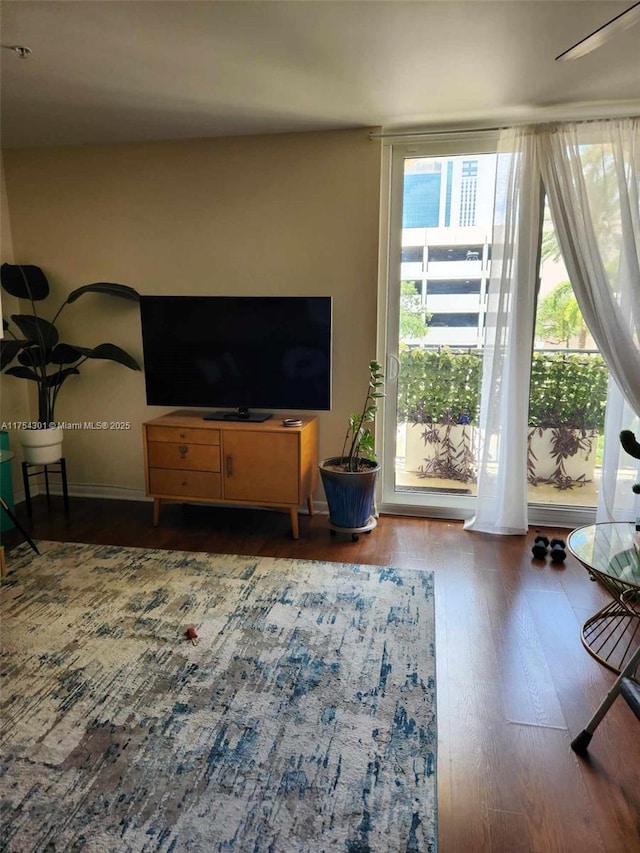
18 525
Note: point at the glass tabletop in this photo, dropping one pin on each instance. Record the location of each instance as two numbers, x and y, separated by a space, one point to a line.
613 549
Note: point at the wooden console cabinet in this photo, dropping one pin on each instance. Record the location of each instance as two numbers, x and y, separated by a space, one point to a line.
188 459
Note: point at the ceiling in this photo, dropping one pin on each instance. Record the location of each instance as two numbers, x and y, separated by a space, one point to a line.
105 71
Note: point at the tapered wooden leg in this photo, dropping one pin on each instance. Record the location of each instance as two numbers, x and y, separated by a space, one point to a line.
295 532
310 504
156 511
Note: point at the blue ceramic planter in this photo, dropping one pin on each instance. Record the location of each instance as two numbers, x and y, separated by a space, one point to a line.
350 494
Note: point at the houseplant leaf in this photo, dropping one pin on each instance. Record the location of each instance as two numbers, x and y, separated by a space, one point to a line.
23 373
68 354
33 355
24 281
39 332
9 350
57 379
111 352
121 290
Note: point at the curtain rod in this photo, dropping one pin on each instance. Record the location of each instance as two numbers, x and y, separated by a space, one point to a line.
406 134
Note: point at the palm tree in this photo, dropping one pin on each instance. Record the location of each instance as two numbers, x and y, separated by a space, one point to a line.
559 320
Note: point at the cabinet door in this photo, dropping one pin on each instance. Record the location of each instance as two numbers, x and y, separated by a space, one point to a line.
261 467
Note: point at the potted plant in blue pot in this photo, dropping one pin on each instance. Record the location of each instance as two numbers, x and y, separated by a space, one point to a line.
32 350
349 480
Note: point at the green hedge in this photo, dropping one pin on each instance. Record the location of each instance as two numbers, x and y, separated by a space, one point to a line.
568 390
438 386
442 386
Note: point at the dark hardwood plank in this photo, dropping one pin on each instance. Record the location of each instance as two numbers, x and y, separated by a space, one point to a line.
514 683
509 832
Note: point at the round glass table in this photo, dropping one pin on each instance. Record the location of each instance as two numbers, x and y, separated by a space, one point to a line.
610 553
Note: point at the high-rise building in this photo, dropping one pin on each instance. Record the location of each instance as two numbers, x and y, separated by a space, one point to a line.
446 249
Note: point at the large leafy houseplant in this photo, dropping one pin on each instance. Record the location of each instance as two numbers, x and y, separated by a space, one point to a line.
34 351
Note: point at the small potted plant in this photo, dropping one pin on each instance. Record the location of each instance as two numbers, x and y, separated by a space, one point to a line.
34 352
349 479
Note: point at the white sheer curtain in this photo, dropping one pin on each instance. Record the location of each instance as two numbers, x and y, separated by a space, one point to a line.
591 172
616 499
502 472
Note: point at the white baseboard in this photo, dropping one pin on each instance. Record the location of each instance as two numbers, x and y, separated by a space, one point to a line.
538 515
83 490
99 490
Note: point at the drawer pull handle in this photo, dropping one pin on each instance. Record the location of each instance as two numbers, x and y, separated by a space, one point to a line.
229 465
182 450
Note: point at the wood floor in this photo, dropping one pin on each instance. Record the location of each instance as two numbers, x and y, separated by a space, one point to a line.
514 682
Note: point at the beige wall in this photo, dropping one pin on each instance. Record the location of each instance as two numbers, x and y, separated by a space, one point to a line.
14 395
285 214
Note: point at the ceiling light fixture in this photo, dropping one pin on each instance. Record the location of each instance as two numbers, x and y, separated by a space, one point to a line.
22 51
625 19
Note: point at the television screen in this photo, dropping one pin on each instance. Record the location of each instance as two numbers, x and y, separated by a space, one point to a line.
241 352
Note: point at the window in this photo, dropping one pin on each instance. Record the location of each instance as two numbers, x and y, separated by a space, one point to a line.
451 287
454 321
432 425
441 253
412 254
468 192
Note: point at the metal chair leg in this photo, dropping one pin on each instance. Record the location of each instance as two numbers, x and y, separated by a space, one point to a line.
581 741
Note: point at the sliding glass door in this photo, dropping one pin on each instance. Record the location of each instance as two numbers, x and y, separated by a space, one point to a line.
442 198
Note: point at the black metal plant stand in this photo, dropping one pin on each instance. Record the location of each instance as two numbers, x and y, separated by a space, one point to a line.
44 469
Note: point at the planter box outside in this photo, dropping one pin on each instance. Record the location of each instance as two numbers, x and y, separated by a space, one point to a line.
452 446
464 438
580 467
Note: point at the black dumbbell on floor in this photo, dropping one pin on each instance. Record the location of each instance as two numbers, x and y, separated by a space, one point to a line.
558 554
540 547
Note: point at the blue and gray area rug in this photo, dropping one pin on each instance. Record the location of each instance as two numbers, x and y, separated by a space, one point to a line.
302 720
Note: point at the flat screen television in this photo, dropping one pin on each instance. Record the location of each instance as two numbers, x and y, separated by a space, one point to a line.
238 352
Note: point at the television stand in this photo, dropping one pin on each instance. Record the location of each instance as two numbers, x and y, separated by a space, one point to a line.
242 415
190 460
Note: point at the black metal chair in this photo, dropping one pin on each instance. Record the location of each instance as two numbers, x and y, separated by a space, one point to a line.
627 686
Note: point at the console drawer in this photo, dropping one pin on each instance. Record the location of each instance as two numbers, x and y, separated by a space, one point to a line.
184 456
183 435
186 484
